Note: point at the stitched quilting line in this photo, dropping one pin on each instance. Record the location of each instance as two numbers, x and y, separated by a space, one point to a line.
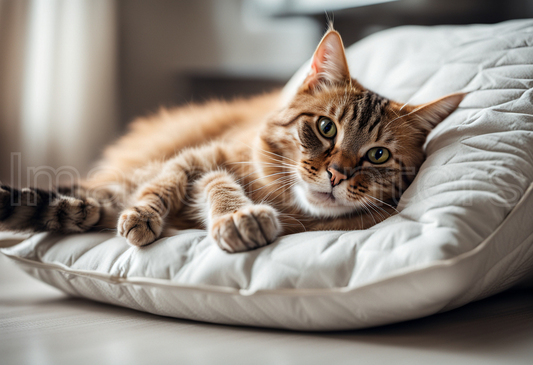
168 284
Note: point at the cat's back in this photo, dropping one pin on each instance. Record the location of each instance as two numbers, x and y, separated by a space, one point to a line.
162 135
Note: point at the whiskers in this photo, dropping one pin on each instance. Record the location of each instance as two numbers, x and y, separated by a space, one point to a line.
284 175
275 174
272 155
374 210
382 202
285 186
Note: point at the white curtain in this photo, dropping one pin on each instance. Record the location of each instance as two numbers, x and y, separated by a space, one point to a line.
57 85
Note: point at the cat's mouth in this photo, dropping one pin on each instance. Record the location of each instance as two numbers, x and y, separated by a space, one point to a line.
322 197
320 203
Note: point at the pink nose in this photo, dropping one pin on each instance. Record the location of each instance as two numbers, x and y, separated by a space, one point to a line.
336 177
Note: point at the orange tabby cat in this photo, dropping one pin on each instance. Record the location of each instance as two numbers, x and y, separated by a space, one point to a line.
336 156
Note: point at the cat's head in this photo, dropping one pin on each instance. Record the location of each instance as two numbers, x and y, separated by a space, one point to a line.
347 147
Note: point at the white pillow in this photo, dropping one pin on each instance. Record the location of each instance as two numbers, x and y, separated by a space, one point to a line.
465 230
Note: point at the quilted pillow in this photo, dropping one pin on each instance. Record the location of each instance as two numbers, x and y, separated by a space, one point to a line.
464 231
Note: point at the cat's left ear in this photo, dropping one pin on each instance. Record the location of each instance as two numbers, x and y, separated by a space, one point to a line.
430 114
329 63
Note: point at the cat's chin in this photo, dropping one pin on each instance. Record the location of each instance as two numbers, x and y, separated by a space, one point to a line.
319 204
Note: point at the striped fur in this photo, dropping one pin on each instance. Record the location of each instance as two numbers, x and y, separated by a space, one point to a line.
248 170
37 210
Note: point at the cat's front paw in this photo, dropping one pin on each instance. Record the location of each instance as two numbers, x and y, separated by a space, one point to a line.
140 225
246 229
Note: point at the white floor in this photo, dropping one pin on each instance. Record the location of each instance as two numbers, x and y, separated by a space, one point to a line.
40 325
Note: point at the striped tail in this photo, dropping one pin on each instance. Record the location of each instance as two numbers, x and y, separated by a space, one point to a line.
64 210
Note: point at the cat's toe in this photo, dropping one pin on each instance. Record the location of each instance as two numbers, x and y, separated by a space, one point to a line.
246 229
224 233
267 220
140 226
78 215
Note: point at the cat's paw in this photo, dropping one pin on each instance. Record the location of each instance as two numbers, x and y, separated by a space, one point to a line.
77 215
140 225
36 210
246 229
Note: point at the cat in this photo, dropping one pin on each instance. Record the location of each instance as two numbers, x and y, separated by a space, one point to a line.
337 156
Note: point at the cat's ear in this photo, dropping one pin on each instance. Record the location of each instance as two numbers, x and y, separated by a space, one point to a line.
329 63
430 114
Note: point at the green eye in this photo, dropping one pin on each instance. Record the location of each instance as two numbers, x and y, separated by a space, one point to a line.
378 155
327 128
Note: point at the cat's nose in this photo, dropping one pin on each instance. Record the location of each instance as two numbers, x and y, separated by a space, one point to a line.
335 176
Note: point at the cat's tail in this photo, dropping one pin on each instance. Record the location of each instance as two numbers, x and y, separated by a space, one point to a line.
65 210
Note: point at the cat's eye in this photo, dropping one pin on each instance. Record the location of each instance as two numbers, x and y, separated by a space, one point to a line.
327 128
378 155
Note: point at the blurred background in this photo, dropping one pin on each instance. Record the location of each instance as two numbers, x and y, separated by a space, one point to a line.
74 73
